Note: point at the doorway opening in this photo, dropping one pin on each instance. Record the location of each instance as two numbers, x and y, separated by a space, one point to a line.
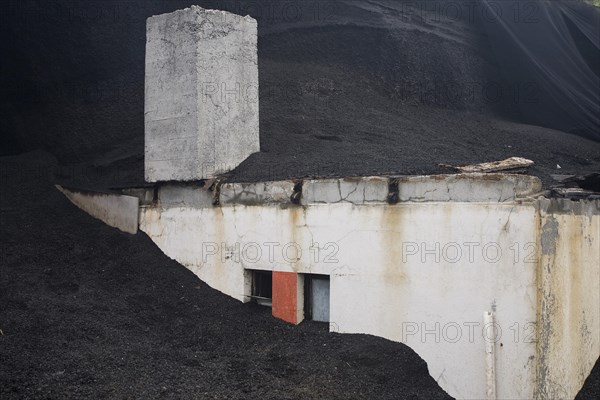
316 297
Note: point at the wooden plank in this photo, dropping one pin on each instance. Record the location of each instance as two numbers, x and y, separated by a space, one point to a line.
494 166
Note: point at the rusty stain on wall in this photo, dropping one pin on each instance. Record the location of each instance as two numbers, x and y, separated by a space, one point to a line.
569 313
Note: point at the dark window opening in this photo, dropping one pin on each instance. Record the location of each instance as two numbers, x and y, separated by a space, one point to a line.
262 287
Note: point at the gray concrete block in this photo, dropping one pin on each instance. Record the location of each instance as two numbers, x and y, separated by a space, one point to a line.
201 100
278 192
476 187
358 190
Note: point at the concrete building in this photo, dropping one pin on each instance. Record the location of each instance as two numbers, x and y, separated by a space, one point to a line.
494 284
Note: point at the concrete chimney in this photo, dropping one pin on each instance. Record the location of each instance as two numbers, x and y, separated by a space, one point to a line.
201 99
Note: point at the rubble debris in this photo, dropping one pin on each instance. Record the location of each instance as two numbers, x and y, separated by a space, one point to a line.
577 186
575 193
589 182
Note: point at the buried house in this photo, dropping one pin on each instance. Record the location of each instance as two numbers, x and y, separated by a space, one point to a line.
492 280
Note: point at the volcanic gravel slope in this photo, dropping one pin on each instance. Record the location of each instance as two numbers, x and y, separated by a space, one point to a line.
89 312
347 87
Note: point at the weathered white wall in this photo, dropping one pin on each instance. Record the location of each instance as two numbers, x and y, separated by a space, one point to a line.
420 272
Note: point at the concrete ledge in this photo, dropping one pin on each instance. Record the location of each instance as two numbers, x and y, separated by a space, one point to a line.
279 192
118 211
185 195
360 190
476 187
